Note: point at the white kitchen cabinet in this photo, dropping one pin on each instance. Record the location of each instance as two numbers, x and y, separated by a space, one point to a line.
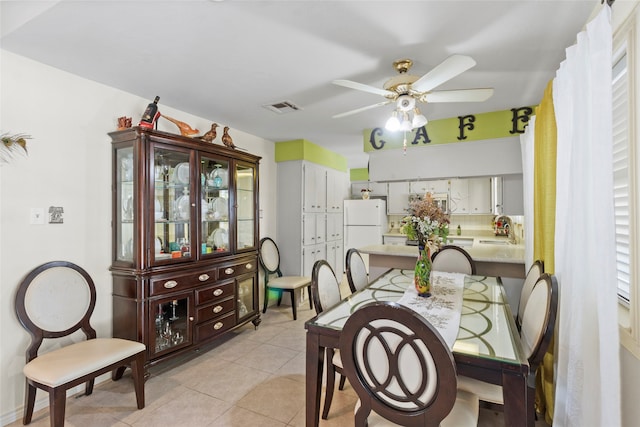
311 254
315 187
512 195
334 257
480 196
334 226
459 197
377 188
431 186
397 198
304 223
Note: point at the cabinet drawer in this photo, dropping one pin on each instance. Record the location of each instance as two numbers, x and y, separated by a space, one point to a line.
179 282
212 293
215 327
216 309
237 269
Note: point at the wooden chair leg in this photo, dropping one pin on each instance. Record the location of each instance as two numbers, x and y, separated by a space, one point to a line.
331 382
292 292
29 402
57 402
279 297
310 299
342 381
116 374
89 386
266 299
137 373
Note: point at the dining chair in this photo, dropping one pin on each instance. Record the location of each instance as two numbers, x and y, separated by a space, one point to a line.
453 259
538 322
269 256
402 370
534 273
325 289
55 300
357 276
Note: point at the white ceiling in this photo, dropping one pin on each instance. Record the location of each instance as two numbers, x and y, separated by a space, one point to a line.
223 60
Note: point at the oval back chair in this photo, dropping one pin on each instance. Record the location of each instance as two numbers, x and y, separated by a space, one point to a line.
357 276
535 271
453 259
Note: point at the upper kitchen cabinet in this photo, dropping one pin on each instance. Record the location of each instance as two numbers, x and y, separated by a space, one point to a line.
314 178
438 186
471 196
512 202
185 239
336 190
397 198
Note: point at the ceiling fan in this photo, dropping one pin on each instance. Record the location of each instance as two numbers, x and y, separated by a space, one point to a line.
407 89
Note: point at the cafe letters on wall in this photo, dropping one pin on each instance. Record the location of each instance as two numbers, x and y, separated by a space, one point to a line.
472 127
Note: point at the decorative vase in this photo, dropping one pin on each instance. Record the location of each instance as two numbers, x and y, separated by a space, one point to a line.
422 272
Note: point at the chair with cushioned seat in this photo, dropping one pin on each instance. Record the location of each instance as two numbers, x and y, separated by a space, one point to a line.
538 322
402 370
56 300
325 289
357 276
453 259
269 257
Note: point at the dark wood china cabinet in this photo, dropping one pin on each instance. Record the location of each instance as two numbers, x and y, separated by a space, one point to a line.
185 240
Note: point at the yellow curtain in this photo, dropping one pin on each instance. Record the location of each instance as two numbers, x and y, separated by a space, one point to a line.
544 208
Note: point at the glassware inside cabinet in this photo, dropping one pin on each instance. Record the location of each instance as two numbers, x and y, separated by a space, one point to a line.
171 318
245 199
245 302
125 202
172 202
214 205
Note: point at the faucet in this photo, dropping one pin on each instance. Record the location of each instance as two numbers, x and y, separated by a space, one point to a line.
512 236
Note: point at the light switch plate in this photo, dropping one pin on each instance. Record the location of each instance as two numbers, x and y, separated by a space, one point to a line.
36 216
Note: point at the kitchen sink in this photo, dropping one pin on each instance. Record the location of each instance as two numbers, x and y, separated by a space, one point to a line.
494 242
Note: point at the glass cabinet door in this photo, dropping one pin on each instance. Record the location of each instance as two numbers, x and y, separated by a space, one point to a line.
125 204
173 204
246 302
172 318
245 200
214 205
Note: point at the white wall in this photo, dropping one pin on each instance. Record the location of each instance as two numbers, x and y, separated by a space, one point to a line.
69 165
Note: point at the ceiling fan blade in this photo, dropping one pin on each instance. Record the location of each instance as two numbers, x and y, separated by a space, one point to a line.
461 95
363 87
358 110
446 70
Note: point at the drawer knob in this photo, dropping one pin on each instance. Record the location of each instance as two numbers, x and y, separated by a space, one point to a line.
218 325
249 266
228 270
217 309
191 318
170 284
218 292
203 277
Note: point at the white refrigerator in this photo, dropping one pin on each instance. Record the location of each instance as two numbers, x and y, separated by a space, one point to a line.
364 223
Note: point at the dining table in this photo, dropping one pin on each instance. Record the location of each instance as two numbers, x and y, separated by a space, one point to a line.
487 346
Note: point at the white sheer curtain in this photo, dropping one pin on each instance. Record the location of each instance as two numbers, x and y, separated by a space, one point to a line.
588 371
526 148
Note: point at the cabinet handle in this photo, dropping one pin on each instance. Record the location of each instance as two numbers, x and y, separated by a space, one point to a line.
249 266
170 284
217 309
203 277
218 292
191 318
218 325
229 270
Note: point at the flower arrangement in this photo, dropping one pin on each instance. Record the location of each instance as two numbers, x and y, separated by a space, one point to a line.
426 221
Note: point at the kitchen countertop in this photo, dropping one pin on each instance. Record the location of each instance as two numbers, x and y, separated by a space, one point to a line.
480 252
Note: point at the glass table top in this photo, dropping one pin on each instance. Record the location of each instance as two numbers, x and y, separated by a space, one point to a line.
487 328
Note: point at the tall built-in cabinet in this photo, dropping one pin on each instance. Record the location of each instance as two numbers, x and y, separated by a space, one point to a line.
185 240
310 206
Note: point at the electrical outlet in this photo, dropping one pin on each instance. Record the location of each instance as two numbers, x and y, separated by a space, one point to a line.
36 216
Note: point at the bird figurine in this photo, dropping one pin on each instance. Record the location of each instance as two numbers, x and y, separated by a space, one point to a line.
226 138
210 135
185 129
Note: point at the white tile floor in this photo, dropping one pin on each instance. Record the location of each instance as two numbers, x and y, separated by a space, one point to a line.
248 378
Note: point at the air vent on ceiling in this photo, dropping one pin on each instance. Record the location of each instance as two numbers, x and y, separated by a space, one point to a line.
282 107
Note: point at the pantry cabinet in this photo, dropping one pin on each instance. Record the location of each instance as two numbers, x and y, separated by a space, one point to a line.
185 240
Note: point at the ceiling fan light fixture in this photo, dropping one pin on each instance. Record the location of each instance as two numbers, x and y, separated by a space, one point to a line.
419 119
393 124
405 103
405 126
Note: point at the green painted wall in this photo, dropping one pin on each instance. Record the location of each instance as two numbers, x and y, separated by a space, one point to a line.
301 149
359 174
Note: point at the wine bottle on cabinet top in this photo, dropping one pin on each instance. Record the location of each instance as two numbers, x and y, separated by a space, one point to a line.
150 115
